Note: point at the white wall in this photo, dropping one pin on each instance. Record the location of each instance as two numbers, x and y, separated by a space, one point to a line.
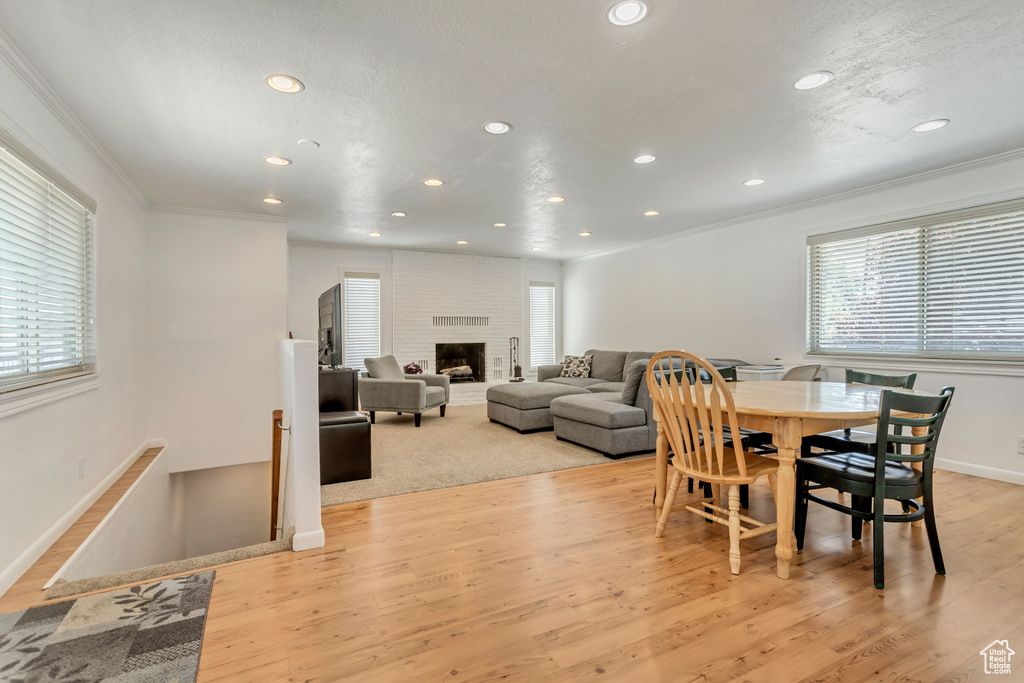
739 290
40 492
225 507
218 288
300 447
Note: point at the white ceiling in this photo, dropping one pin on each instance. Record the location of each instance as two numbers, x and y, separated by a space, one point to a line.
397 91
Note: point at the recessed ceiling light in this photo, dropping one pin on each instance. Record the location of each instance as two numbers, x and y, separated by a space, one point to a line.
433 182
499 225
650 213
309 143
462 242
537 249
627 12
277 161
273 200
374 234
814 80
586 234
283 83
497 127
556 199
928 126
644 159
753 181
398 214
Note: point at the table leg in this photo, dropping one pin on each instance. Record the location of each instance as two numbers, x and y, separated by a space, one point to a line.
661 466
787 440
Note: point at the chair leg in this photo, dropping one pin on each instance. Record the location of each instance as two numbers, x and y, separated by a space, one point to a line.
443 406
773 483
857 523
666 507
734 529
689 485
800 516
933 532
399 412
879 541
373 417
745 496
417 418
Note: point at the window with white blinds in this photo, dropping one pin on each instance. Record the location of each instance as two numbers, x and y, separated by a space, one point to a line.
948 285
361 301
542 323
47 326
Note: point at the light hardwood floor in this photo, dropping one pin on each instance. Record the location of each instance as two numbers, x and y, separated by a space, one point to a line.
558 577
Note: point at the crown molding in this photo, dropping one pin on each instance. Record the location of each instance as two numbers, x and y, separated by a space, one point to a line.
16 60
936 207
161 208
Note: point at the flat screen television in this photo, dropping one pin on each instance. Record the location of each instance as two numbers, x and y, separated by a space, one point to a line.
329 337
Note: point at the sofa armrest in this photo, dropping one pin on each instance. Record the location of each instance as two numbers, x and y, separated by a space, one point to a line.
392 394
443 381
548 371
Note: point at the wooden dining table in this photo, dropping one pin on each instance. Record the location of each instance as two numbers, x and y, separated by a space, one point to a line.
789 411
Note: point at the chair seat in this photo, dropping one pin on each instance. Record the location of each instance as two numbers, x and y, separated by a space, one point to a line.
435 396
861 468
839 440
757 466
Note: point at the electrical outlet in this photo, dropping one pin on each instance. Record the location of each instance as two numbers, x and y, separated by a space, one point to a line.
81 467
1020 445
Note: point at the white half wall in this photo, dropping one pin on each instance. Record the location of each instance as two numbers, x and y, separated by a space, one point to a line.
739 290
217 293
300 447
40 448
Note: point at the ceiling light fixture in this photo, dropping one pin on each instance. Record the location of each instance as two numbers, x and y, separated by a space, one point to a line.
277 161
650 213
627 12
556 199
499 225
374 234
282 83
462 242
537 249
310 143
814 80
398 214
753 182
586 234
929 126
644 159
272 200
433 182
497 127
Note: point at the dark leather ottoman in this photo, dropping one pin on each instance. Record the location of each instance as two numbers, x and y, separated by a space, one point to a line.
344 447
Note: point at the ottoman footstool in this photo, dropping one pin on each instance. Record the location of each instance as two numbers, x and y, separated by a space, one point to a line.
526 407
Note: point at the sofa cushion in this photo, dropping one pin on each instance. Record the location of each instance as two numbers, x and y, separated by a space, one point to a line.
386 367
607 365
613 387
435 396
634 356
601 410
634 375
530 395
576 367
574 381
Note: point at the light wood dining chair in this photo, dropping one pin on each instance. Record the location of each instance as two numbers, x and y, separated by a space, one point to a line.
695 419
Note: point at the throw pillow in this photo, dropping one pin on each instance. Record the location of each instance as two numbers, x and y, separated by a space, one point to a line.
576 366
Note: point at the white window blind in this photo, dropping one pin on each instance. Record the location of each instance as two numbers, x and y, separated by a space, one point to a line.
948 286
361 294
542 323
47 326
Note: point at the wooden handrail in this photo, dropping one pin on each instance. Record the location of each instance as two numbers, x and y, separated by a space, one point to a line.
275 473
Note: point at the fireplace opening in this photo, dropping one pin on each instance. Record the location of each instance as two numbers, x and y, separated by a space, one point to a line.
461 362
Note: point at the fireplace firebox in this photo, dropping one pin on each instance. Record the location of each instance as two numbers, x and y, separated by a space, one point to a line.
454 356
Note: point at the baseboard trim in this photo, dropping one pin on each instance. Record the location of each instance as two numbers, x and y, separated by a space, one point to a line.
12 572
308 540
984 471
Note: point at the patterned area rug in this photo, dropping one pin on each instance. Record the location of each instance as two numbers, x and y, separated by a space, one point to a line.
152 632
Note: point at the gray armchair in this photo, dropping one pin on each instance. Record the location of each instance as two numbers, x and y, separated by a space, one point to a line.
384 387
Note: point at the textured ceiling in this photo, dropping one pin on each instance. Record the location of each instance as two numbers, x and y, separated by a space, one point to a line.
397 91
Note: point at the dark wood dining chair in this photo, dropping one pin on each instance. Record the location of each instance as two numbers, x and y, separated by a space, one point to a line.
885 472
858 440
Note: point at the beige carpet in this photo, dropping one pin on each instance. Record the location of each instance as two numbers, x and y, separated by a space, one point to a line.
463 447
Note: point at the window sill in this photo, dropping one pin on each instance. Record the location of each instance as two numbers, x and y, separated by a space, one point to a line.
33 397
912 363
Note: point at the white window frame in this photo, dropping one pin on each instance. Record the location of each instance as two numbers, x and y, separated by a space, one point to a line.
929 244
534 364
83 375
347 275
